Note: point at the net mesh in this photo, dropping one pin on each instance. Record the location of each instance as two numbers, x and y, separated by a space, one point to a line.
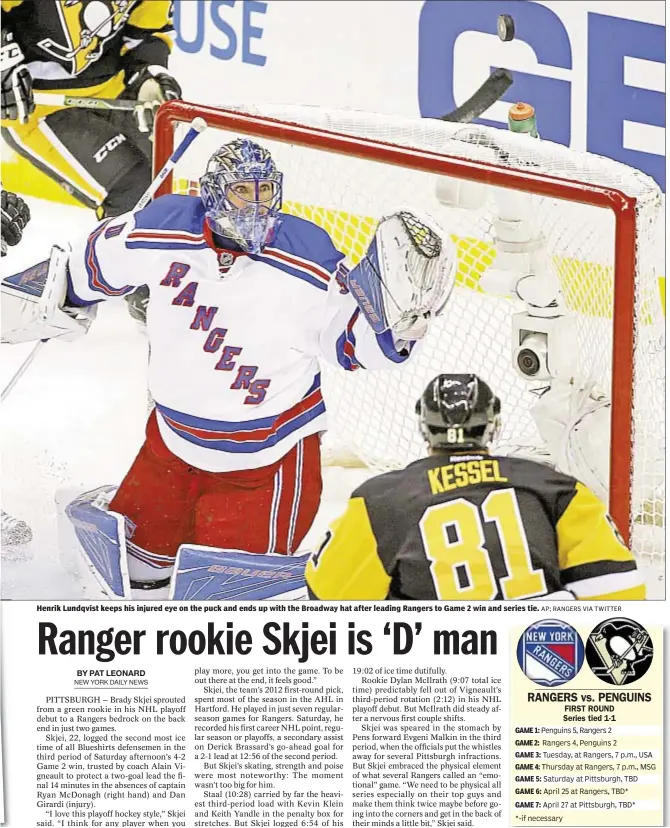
371 414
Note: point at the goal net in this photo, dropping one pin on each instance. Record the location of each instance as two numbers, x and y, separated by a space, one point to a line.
600 223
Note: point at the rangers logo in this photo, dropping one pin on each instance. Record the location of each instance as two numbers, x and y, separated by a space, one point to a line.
619 651
550 653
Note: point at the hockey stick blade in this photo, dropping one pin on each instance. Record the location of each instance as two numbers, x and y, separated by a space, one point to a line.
492 90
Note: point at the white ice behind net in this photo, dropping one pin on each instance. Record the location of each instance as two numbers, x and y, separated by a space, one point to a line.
371 414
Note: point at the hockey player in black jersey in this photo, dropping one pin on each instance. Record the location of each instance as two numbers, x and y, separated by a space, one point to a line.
96 49
465 524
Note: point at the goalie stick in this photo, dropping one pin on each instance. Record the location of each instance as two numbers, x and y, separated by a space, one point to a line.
22 369
197 126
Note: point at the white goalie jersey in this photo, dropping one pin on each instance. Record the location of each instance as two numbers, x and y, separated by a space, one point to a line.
236 339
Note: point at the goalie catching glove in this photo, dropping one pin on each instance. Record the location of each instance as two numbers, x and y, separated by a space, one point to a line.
405 279
32 304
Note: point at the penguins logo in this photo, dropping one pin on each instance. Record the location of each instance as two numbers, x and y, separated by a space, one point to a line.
619 651
87 25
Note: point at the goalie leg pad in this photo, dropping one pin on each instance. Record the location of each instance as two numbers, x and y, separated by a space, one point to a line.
103 542
208 574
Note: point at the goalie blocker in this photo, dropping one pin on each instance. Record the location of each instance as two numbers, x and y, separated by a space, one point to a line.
33 303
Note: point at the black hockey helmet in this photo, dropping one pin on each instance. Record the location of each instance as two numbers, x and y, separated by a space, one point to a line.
458 411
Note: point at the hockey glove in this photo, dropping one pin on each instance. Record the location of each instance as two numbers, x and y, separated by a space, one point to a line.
151 86
16 84
33 303
406 277
15 216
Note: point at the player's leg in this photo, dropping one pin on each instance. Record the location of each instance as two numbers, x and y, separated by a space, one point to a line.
308 486
40 147
15 217
156 497
262 510
101 158
97 144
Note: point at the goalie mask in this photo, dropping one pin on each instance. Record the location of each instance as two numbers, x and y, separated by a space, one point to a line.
242 193
458 411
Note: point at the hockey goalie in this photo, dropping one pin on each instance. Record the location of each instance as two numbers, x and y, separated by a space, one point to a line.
245 303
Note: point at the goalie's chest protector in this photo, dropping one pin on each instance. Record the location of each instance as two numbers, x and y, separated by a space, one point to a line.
234 346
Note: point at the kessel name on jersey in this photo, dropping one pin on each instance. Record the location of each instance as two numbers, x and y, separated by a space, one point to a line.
466 471
86 26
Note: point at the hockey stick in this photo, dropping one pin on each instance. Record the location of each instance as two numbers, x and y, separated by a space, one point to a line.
77 101
493 88
22 369
197 126
491 91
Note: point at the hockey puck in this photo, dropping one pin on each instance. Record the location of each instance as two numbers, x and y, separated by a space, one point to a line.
505 27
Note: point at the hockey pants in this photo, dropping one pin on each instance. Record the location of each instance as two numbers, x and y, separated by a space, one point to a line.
167 502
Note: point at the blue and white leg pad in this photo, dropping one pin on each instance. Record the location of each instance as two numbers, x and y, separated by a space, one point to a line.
208 574
103 540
